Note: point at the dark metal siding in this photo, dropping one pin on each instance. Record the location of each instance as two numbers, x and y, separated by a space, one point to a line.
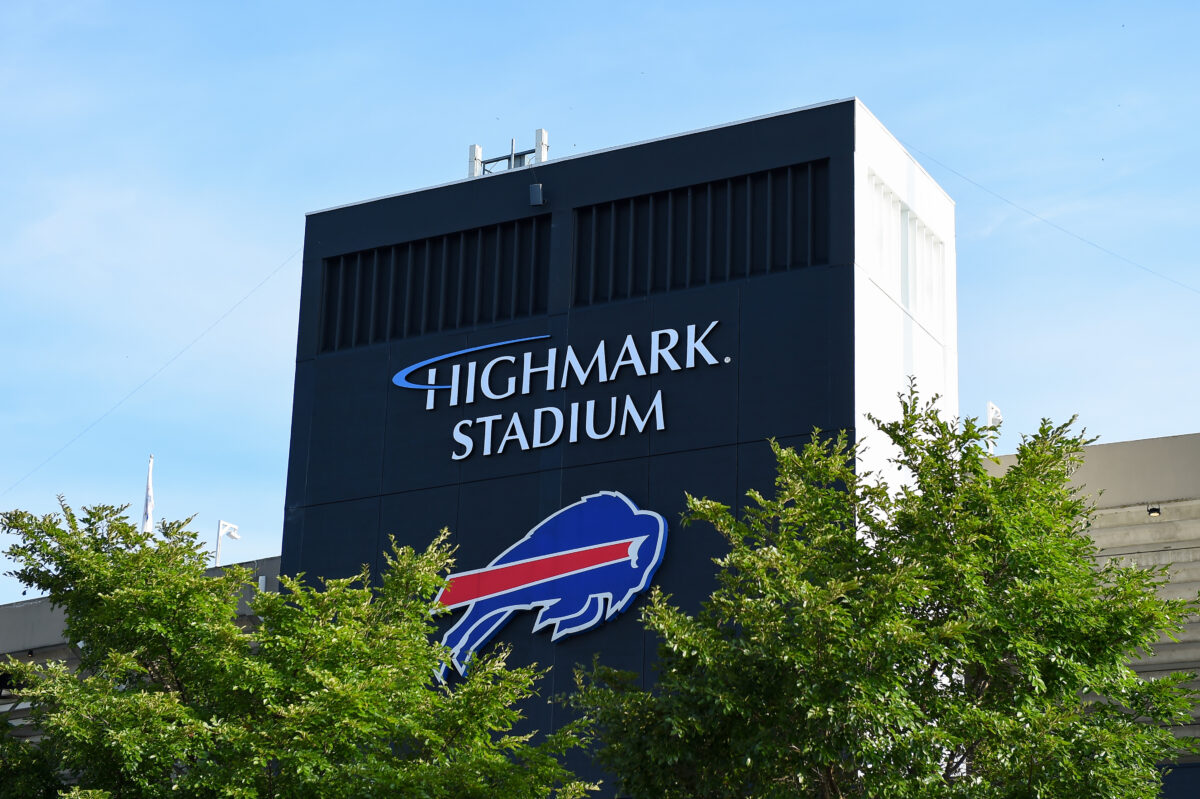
714 232
489 274
749 225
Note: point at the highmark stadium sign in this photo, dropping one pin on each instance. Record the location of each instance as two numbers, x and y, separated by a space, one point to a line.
464 381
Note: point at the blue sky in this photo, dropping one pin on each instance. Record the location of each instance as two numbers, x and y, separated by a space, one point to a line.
157 160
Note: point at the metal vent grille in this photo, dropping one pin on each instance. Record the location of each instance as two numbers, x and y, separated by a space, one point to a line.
489 274
708 233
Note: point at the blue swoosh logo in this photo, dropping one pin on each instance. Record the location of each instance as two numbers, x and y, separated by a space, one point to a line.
401 377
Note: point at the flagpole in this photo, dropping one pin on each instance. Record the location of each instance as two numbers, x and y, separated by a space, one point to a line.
148 508
224 528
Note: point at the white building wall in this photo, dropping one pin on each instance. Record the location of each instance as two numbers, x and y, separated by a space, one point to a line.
906 321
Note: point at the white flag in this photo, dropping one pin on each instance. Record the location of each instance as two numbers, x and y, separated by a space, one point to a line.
148 510
994 417
224 528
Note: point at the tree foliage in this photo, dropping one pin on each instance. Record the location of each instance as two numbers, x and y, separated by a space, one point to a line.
949 635
329 693
25 773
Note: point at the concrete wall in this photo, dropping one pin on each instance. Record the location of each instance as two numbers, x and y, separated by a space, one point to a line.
30 625
1124 480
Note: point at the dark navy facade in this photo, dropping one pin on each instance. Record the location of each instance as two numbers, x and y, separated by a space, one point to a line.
673 304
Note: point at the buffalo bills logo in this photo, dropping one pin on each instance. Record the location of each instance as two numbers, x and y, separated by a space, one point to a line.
580 567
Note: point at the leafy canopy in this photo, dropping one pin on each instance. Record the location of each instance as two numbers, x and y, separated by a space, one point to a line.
949 635
329 693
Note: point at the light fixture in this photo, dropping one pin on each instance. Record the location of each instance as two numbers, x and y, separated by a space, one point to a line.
1153 511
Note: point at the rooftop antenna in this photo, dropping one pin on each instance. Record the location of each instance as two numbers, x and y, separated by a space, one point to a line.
478 166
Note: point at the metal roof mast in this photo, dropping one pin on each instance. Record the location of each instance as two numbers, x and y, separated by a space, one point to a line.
478 167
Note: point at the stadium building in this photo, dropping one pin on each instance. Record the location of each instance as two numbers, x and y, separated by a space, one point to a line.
545 356
572 344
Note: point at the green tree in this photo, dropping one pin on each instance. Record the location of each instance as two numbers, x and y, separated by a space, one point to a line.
950 635
330 693
25 772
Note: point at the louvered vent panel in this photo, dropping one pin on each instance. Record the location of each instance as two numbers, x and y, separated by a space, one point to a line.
709 233
473 277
